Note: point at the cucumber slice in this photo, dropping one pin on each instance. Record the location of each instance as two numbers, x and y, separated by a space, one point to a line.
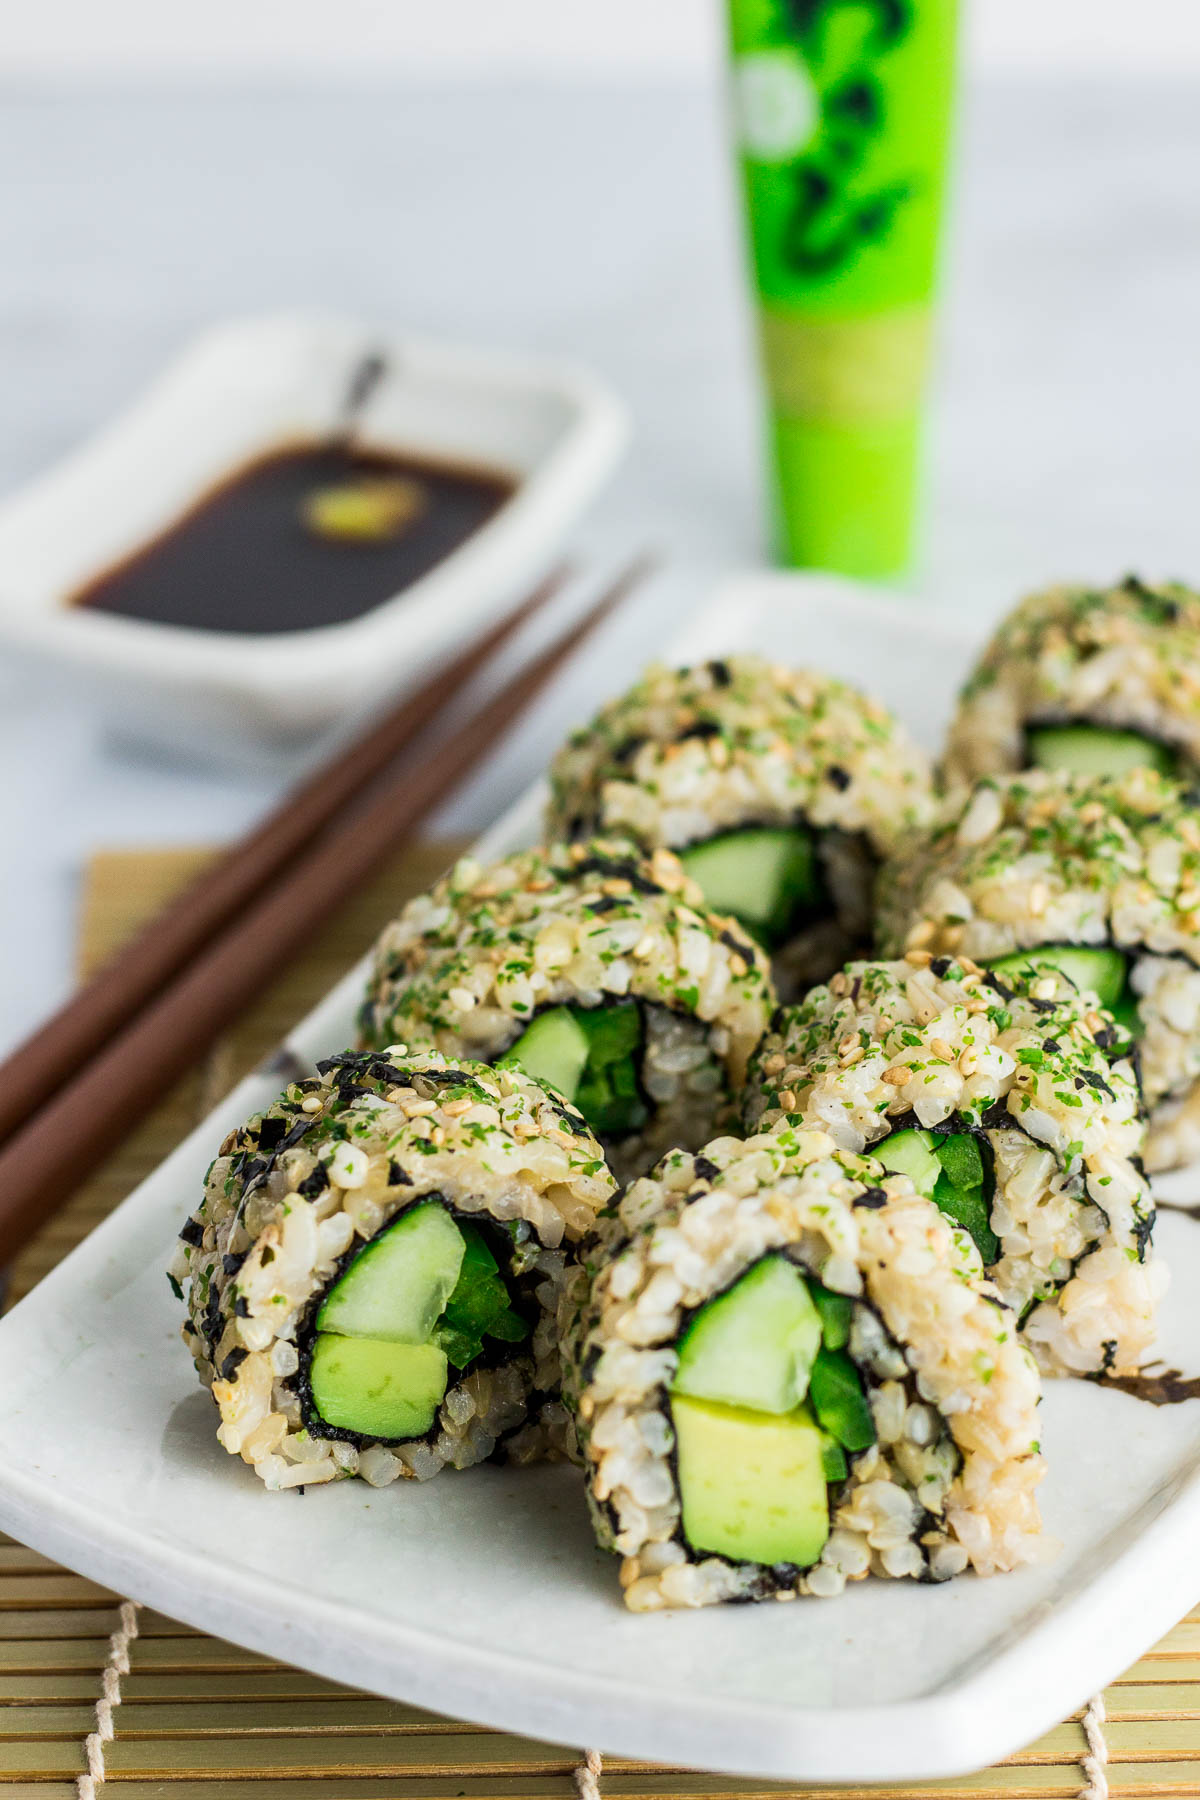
836 1393
553 1049
590 1054
751 1487
1095 750
910 1153
764 876
1097 969
398 1284
833 1460
949 1170
479 1306
969 1208
379 1388
608 1095
835 1312
753 1346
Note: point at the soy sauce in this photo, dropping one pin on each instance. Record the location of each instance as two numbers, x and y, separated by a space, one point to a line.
252 555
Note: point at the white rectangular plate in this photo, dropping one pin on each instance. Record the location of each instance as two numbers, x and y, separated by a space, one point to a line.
481 1594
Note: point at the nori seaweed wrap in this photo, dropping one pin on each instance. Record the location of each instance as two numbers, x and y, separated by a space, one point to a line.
1012 1103
1100 877
593 969
780 788
1089 679
788 1371
373 1275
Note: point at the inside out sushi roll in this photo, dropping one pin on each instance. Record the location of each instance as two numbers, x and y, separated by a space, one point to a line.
373 1275
1011 1102
590 968
1096 680
779 788
1098 878
790 1373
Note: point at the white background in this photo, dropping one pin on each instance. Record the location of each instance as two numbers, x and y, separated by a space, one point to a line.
497 38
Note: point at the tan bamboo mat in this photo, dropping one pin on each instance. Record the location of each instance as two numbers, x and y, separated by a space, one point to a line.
198 1719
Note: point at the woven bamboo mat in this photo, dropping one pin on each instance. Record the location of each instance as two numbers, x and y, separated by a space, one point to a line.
203 1720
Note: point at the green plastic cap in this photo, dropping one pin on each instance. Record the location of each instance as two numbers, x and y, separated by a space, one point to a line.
845 494
845 398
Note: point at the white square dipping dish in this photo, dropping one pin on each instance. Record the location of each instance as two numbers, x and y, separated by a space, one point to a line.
242 390
482 1593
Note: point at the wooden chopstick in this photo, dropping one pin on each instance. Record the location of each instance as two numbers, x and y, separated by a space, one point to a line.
87 1117
78 1030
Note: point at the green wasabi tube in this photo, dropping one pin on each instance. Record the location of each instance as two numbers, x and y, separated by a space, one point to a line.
843 115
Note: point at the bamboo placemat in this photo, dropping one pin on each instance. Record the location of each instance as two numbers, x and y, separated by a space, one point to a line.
203 1720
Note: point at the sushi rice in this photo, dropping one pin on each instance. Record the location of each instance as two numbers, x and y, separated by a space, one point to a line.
301 1188
1044 1078
468 966
692 754
1125 658
949 1484
1048 858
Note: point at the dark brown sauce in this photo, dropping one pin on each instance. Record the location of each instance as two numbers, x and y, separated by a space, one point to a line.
1170 1388
247 558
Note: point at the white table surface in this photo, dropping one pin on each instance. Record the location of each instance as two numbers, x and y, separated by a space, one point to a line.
596 222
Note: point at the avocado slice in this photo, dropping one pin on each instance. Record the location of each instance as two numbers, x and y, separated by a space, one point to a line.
948 1168
420 1296
751 1486
378 1387
1095 750
765 876
591 1055
397 1285
754 1345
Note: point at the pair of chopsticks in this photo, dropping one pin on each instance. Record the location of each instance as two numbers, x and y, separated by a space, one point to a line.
73 1090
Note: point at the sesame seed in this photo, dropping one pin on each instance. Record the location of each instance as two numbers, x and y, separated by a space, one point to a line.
311 1103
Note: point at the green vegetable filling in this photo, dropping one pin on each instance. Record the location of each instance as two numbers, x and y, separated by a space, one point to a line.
1095 750
420 1298
1100 970
768 878
765 1404
591 1055
949 1170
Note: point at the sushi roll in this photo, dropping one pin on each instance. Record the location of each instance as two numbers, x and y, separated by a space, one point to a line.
1100 879
790 1372
1093 680
780 790
1010 1102
589 968
373 1275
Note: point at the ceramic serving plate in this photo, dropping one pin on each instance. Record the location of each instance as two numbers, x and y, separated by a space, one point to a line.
238 392
481 1594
